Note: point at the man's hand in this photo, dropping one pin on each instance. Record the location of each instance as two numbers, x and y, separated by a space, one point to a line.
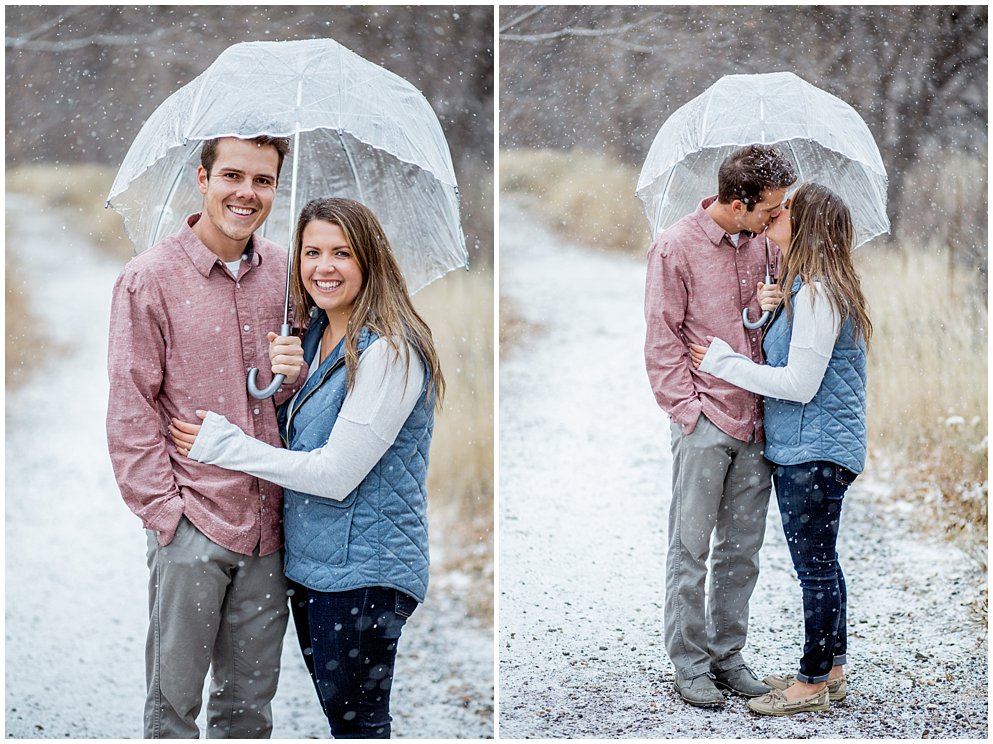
770 295
286 355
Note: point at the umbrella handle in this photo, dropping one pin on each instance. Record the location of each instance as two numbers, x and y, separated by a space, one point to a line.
253 374
753 324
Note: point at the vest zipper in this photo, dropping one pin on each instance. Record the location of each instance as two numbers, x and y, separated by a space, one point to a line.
293 412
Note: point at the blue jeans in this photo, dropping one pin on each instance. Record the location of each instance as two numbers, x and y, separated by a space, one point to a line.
810 496
349 643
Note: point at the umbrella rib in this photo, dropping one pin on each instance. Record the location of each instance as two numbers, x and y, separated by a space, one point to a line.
168 199
703 119
799 169
351 166
658 214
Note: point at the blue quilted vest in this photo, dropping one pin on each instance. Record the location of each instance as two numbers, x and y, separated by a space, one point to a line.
831 426
377 536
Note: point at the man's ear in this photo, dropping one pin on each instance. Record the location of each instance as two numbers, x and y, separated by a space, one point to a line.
202 179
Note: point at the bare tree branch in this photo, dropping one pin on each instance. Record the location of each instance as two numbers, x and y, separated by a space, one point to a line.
587 32
39 30
522 17
69 45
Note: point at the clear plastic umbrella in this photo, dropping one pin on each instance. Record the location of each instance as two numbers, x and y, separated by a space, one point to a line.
358 131
825 137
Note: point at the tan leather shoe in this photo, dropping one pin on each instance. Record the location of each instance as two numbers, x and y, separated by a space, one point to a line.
776 704
837 688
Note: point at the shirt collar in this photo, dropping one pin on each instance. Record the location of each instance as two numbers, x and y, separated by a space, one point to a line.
202 257
714 232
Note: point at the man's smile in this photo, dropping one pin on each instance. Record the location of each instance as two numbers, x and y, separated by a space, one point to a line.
241 211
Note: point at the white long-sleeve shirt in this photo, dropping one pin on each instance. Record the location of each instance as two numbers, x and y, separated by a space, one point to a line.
371 417
815 329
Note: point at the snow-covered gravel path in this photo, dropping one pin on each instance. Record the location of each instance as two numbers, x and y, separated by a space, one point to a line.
584 493
76 607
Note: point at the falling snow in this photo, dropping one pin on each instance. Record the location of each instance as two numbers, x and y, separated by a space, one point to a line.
581 603
75 573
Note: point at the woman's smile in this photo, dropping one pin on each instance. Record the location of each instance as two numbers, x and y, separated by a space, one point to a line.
327 285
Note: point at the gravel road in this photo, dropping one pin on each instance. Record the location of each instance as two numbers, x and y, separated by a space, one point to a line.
584 492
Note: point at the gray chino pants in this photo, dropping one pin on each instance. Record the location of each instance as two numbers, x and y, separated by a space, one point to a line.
720 487
211 608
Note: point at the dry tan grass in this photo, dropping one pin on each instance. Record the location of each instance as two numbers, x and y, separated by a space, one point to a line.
928 361
589 197
81 189
22 341
513 326
928 380
459 310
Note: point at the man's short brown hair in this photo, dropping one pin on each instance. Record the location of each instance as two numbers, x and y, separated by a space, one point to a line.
208 153
747 172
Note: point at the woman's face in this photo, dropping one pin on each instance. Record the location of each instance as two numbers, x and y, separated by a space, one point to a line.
328 269
780 229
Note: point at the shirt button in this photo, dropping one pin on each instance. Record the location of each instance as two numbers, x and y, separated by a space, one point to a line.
257 411
247 327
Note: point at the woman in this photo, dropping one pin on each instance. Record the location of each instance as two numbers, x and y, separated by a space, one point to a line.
814 383
357 437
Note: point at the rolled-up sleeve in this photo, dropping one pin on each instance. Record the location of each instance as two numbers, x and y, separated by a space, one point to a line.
667 358
135 436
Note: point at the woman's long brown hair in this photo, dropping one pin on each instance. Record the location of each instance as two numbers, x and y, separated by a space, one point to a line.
383 303
821 250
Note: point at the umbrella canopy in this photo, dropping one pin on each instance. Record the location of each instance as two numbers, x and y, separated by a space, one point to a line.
358 131
825 137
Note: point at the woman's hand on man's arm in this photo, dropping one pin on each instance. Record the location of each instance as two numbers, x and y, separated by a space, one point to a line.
184 434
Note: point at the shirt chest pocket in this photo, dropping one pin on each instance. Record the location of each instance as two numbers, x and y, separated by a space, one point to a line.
265 321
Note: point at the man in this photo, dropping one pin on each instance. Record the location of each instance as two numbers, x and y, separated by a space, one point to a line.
188 318
702 272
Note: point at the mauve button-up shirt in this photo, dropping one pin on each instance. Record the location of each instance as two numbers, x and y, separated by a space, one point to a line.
697 284
183 333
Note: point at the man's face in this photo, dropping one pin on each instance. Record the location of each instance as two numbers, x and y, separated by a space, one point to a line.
764 212
238 194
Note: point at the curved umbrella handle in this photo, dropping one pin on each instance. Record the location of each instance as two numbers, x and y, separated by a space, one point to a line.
253 374
752 325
